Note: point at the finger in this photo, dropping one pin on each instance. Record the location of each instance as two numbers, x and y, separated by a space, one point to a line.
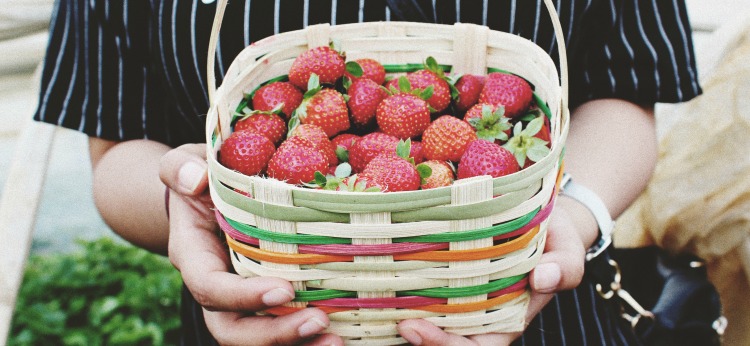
203 261
421 332
235 329
184 169
326 340
561 265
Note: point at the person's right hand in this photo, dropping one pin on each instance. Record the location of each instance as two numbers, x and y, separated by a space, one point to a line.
228 300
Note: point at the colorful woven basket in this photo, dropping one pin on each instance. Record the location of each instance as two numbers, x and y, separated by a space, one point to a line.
457 256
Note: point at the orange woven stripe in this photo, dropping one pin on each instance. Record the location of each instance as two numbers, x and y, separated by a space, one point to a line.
472 254
285 310
469 307
275 257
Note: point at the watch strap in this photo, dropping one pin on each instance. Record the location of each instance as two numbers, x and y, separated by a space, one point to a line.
597 208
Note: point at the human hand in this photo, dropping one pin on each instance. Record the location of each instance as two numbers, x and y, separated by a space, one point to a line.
560 268
228 300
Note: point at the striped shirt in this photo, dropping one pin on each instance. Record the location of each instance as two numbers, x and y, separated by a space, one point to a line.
134 69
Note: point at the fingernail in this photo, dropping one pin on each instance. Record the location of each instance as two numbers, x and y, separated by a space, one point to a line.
546 277
411 336
311 327
190 175
277 296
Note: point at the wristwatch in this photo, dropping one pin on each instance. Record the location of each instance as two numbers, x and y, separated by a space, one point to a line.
596 206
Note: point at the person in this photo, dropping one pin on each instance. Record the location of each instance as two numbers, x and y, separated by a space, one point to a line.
130 75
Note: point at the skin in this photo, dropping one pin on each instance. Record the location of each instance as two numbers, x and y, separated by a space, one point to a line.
609 141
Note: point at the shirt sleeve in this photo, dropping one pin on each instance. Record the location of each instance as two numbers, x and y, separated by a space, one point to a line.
638 50
96 75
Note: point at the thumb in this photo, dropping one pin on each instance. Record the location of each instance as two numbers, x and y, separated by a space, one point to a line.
183 169
562 264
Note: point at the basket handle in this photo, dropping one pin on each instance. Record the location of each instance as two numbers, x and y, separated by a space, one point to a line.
222 4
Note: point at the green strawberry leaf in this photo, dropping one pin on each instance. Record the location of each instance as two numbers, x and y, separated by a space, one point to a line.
520 157
517 129
534 126
372 189
389 92
403 148
342 154
424 171
538 150
531 115
313 86
346 82
293 123
343 170
426 93
360 185
320 179
350 185
403 84
354 69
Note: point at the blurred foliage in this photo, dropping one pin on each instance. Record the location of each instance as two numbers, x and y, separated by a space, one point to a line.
106 294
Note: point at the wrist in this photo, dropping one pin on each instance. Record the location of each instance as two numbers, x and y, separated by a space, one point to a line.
582 220
597 210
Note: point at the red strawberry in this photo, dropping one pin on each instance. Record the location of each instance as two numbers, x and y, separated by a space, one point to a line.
528 142
469 87
392 173
441 92
323 61
323 107
318 137
489 122
512 92
442 175
269 96
446 138
265 123
364 97
371 69
368 147
355 183
417 151
296 161
486 158
247 152
403 115
345 140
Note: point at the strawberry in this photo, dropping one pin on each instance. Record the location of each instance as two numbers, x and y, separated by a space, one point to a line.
368 147
265 123
323 107
489 122
446 138
442 175
323 61
393 172
246 151
404 114
371 69
486 158
296 161
320 140
345 140
512 92
364 97
269 96
417 151
469 87
443 90
355 183
528 142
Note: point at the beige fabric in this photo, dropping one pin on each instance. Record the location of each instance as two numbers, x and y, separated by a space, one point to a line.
699 198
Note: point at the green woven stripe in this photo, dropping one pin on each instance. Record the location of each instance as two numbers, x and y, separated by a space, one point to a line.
397 68
273 211
481 233
543 106
492 69
457 292
306 239
439 292
307 296
371 202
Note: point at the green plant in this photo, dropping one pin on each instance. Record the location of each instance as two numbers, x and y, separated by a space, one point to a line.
106 294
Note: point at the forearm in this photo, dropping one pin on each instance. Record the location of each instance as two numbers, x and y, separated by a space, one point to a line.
128 192
612 150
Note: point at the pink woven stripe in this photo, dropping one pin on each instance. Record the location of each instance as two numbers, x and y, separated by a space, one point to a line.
538 218
404 302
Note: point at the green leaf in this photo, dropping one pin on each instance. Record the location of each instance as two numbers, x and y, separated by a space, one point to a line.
534 126
354 69
343 170
342 154
537 152
424 171
432 65
427 92
320 179
517 129
346 82
313 85
403 84
403 148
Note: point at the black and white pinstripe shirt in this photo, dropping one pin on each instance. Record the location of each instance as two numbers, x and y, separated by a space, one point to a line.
134 68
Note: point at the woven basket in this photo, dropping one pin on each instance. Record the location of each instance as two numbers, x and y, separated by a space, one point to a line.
457 256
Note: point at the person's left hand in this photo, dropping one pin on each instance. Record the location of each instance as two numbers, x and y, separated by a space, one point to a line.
560 268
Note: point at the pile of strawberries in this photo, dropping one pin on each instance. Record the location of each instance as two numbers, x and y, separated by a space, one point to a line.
343 125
